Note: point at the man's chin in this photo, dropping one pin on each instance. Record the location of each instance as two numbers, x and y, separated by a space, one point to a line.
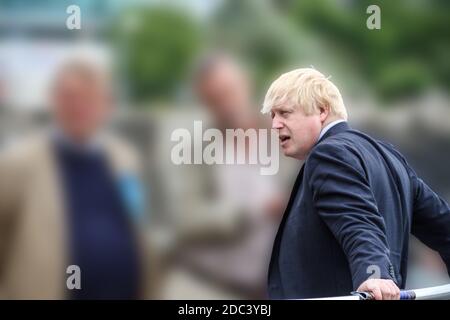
80 135
293 154
287 152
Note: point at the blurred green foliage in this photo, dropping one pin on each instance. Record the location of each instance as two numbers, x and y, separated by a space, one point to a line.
156 46
407 56
250 30
410 52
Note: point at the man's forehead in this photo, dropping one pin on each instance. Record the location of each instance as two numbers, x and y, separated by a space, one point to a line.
282 107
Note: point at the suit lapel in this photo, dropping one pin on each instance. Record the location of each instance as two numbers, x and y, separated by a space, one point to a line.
128 184
294 191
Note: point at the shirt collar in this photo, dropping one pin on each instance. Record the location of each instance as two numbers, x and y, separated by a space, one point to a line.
329 126
91 146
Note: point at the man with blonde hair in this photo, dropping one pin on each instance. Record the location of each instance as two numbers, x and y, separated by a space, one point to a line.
354 203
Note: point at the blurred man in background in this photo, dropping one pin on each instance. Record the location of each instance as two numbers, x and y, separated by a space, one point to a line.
72 197
229 216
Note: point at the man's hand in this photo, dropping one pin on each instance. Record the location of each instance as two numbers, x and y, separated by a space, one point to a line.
381 289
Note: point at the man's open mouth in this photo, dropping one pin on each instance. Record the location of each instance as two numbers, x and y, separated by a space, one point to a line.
284 138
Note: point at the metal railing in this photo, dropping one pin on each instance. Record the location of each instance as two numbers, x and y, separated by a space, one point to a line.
431 293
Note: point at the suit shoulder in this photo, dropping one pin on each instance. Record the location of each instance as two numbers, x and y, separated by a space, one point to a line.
337 145
22 152
337 150
18 162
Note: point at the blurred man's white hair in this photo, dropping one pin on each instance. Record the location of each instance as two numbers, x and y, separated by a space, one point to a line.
90 69
305 88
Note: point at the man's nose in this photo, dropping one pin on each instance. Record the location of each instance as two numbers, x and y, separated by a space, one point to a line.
276 123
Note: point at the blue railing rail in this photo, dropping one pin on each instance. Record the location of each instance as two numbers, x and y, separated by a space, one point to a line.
430 293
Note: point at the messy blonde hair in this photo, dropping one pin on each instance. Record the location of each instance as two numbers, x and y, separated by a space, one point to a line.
308 89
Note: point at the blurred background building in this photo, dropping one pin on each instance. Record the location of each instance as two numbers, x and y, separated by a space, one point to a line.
395 83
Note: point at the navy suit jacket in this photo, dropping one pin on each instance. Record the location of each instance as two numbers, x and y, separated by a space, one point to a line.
353 206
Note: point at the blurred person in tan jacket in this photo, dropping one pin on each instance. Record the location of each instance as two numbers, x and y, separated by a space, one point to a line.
71 196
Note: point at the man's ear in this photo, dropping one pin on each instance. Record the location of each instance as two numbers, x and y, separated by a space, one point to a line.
324 112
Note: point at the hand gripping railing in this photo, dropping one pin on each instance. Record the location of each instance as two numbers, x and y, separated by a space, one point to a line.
431 293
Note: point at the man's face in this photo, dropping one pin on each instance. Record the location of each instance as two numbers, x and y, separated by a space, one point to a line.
81 104
298 132
225 91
